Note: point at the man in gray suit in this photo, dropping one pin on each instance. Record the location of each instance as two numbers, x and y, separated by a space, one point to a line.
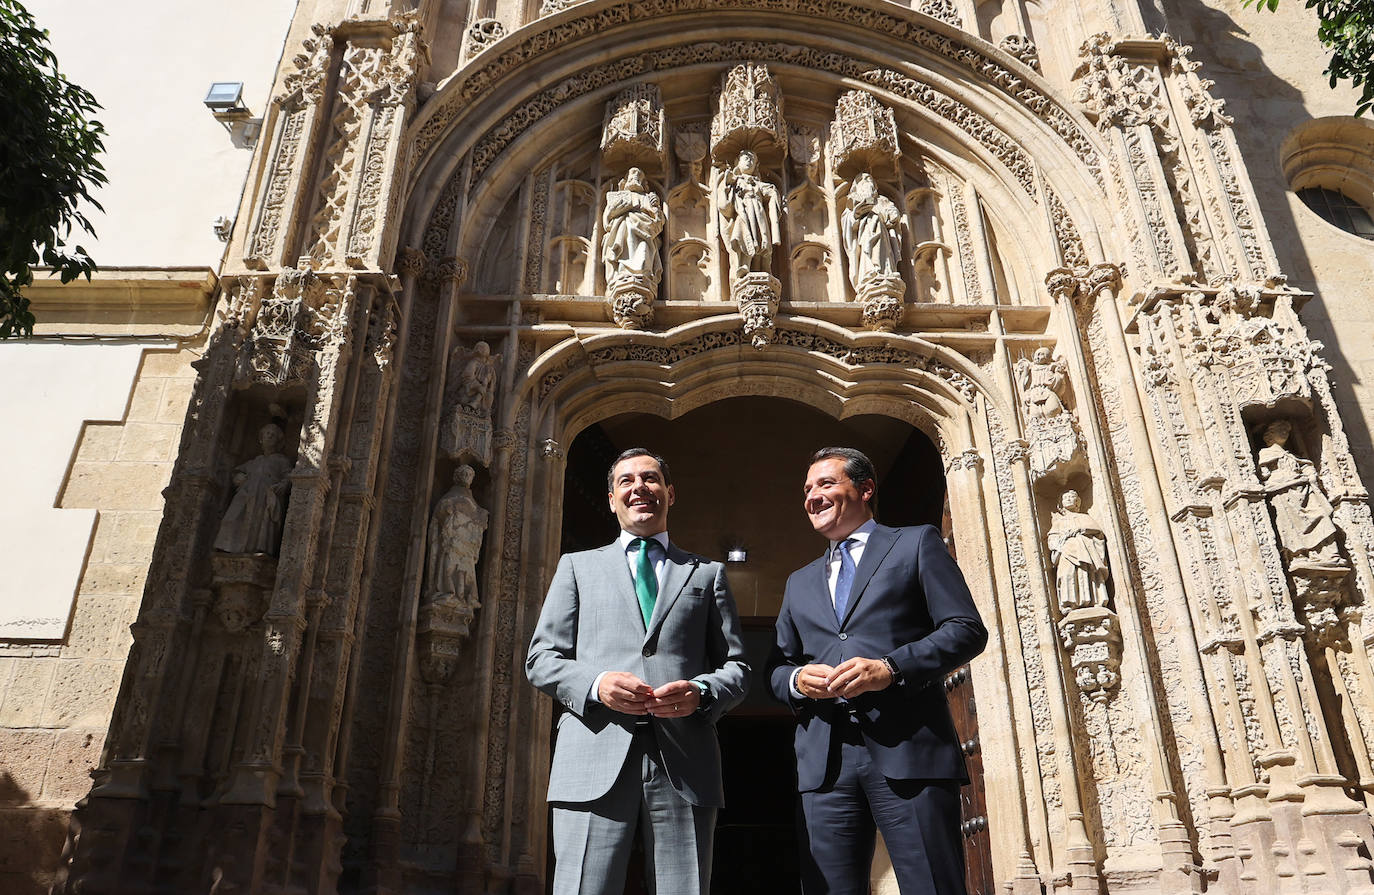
640 642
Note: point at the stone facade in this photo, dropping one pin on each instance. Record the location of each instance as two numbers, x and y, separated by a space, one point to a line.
1041 236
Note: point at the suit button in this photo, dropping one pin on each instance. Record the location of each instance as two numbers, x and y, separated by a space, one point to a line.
648 651
844 636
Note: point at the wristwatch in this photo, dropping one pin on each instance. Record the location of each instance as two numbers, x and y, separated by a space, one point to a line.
707 697
893 670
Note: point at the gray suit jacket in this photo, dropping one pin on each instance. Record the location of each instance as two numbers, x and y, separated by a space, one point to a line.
591 623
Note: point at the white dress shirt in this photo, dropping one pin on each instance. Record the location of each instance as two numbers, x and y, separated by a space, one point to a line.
860 536
632 560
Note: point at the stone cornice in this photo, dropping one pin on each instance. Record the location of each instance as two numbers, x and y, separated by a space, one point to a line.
124 302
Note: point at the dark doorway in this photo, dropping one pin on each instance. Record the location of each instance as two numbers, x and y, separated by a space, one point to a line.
737 466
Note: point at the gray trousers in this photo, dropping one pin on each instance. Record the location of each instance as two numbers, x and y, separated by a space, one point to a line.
592 840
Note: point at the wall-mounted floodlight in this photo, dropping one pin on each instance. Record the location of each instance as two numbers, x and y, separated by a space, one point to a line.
225 96
737 554
225 99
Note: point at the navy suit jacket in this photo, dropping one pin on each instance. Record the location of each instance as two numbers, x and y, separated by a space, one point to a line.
909 602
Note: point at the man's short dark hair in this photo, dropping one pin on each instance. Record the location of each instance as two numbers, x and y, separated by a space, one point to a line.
856 463
637 452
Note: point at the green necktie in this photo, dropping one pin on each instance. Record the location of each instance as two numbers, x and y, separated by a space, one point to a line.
646 581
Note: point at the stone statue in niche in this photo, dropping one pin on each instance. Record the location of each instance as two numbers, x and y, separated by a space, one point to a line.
751 211
873 245
1055 445
477 382
455 540
633 226
871 240
1078 549
253 522
1044 384
466 430
1302 514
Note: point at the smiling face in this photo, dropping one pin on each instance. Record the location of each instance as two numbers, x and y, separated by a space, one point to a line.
639 496
835 504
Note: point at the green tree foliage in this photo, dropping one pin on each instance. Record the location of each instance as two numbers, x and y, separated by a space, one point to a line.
1346 29
48 165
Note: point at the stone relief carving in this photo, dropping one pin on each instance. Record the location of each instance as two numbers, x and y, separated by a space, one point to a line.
1023 48
1055 443
968 57
871 230
456 529
466 429
292 324
482 34
253 521
632 227
944 10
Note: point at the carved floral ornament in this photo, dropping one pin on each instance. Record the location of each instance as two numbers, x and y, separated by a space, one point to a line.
598 18
670 349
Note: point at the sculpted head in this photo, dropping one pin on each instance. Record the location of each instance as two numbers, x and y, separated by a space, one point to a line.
463 475
634 180
271 438
482 349
1071 501
1042 355
865 189
1277 432
747 163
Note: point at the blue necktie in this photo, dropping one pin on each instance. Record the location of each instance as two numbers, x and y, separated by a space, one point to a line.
845 580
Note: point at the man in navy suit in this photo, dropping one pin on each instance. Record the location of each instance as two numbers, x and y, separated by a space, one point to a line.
865 637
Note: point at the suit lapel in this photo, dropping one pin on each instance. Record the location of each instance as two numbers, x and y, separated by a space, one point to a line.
820 586
680 566
618 571
875 551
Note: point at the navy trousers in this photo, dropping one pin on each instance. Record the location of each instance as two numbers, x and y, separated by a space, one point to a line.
919 820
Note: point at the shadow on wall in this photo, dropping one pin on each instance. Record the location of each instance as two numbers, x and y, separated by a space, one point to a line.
1266 109
30 837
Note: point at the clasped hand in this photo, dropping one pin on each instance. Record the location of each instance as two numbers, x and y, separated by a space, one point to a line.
848 679
624 692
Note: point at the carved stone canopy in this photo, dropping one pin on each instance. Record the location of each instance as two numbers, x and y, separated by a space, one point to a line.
748 115
634 130
863 136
